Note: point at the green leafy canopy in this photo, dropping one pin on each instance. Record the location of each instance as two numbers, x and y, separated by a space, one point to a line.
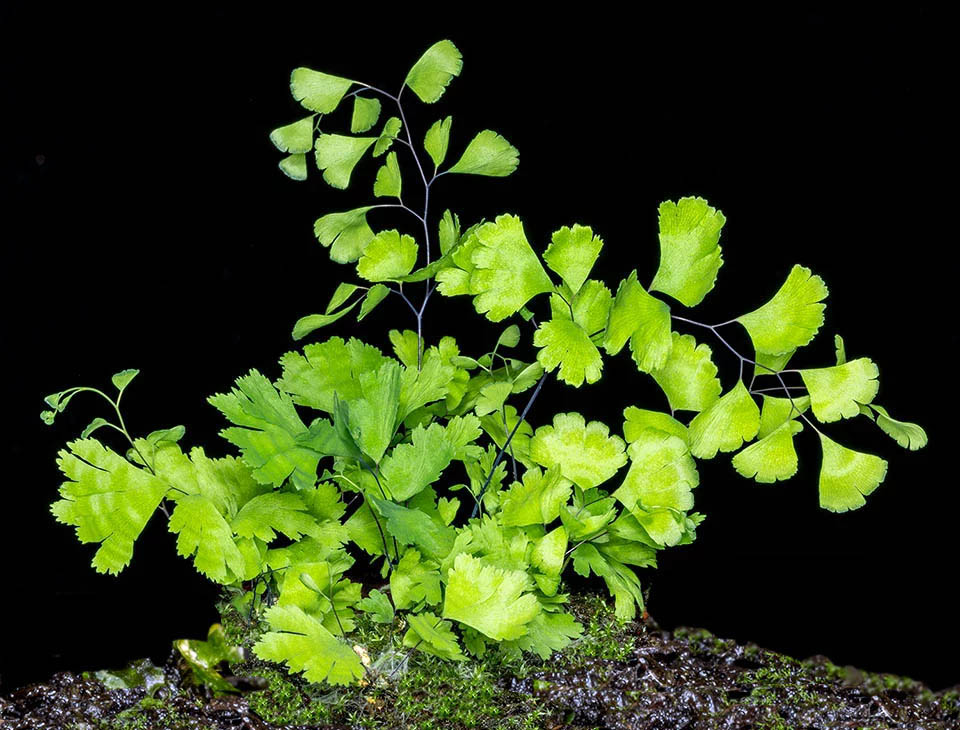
426 487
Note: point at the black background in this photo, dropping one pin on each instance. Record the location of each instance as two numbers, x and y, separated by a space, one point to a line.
145 224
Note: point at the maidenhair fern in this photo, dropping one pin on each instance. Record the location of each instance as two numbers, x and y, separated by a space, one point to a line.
425 461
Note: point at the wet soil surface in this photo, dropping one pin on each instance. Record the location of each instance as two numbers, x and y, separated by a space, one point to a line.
70 702
689 680
693 681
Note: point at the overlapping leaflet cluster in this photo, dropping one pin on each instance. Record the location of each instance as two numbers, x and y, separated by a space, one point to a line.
423 460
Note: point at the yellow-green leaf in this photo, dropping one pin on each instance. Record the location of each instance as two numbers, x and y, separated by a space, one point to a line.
388 256
688 377
773 457
434 70
837 391
791 318
585 453
295 138
507 273
725 424
365 114
572 254
487 154
847 476
689 251
644 320
317 91
437 140
388 182
337 155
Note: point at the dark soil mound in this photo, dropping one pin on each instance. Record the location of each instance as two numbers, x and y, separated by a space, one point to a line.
70 702
621 677
690 680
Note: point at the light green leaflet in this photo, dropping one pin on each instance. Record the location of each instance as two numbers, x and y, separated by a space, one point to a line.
412 526
847 476
412 467
312 322
572 254
688 377
841 349
373 418
492 397
507 273
391 130
837 391
621 581
689 251
388 256
493 601
294 167
447 509
587 518
305 645
345 234
326 368
566 344
661 524
431 634
337 155
430 383
366 111
662 474
295 138
725 424
591 305
773 457
767 364
549 551
487 154
437 140
376 294
448 232
643 320
493 425
453 280
316 588
204 534
362 529
638 420
547 633
202 657
776 411
431 74
586 454
378 606
122 379
414 581
389 182
271 435
264 516
908 435
791 318
107 499
510 337
318 92
536 500
200 519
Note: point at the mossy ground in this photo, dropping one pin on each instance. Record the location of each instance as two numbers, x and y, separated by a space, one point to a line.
607 679
417 691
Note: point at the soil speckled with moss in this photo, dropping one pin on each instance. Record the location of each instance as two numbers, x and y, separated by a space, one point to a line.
621 676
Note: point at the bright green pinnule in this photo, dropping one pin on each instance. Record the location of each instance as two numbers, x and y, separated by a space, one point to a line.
435 462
